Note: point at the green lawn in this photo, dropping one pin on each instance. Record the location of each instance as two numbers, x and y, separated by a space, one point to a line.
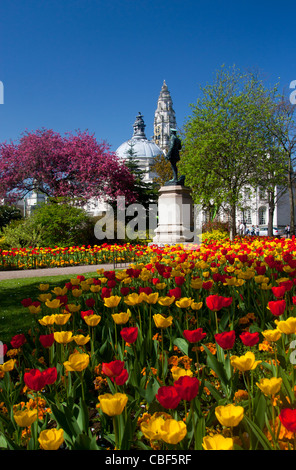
14 318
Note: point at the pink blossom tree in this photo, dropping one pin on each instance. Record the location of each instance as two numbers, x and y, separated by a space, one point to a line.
66 167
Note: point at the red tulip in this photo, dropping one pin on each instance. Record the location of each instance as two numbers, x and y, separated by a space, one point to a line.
217 302
168 397
147 290
193 336
225 339
277 307
26 302
278 291
51 375
249 339
36 380
90 302
179 280
121 378
207 285
124 291
46 340
176 292
113 368
187 387
86 313
129 334
18 340
287 417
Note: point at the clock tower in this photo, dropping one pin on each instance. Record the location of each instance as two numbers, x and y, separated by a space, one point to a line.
164 119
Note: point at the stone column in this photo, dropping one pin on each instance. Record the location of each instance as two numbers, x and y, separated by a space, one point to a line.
175 216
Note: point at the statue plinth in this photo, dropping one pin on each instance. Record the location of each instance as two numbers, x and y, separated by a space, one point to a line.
175 216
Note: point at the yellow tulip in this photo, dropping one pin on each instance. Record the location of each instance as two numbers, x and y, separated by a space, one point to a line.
60 290
134 299
113 405
162 322
73 308
34 310
122 317
55 303
160 285
77 362
261 279
95 288
63 337
245 362
166 301
51 439
196 305
270 386
81 340
24 418
44 297
61 319
272 335
85 286
47 320
8 365
196 283
112 301
173 431
43 287
75 282
150 298
184 302
178 372
152 429
229 415
92 320
217 442
76 292
288 326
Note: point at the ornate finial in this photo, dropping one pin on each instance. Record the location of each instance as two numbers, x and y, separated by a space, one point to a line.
139 127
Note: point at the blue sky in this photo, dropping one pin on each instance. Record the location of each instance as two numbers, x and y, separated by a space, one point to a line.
94 64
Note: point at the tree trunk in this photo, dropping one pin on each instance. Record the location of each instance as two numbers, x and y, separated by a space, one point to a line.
271 208
232 222
291 196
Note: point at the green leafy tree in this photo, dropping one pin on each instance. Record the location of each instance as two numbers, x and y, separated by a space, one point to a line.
162 169
224 139
144 192
9 213
62 224
282 126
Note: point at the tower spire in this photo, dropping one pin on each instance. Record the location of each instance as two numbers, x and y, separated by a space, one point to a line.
164 118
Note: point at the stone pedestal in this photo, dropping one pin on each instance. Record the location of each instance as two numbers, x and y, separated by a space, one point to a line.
175 216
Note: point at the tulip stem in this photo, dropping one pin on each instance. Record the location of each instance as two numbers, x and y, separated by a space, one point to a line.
116 433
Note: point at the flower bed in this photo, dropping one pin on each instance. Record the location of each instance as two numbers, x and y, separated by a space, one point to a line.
58 257
191 350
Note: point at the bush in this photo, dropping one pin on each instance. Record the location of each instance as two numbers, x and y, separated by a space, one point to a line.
9 213
51 224
20 234
62 224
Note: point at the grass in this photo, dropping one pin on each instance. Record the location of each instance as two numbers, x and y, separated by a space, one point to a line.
14 318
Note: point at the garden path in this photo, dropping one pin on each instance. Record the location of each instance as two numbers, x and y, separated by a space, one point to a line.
78 270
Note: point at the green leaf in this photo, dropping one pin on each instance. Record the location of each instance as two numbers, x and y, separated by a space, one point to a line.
258 434
182 345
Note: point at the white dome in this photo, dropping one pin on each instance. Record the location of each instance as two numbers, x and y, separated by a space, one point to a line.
143 150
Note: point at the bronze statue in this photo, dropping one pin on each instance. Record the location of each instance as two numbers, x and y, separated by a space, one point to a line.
173 156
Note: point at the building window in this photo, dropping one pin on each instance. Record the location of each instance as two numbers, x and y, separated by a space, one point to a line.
262 215
262 193
248 217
